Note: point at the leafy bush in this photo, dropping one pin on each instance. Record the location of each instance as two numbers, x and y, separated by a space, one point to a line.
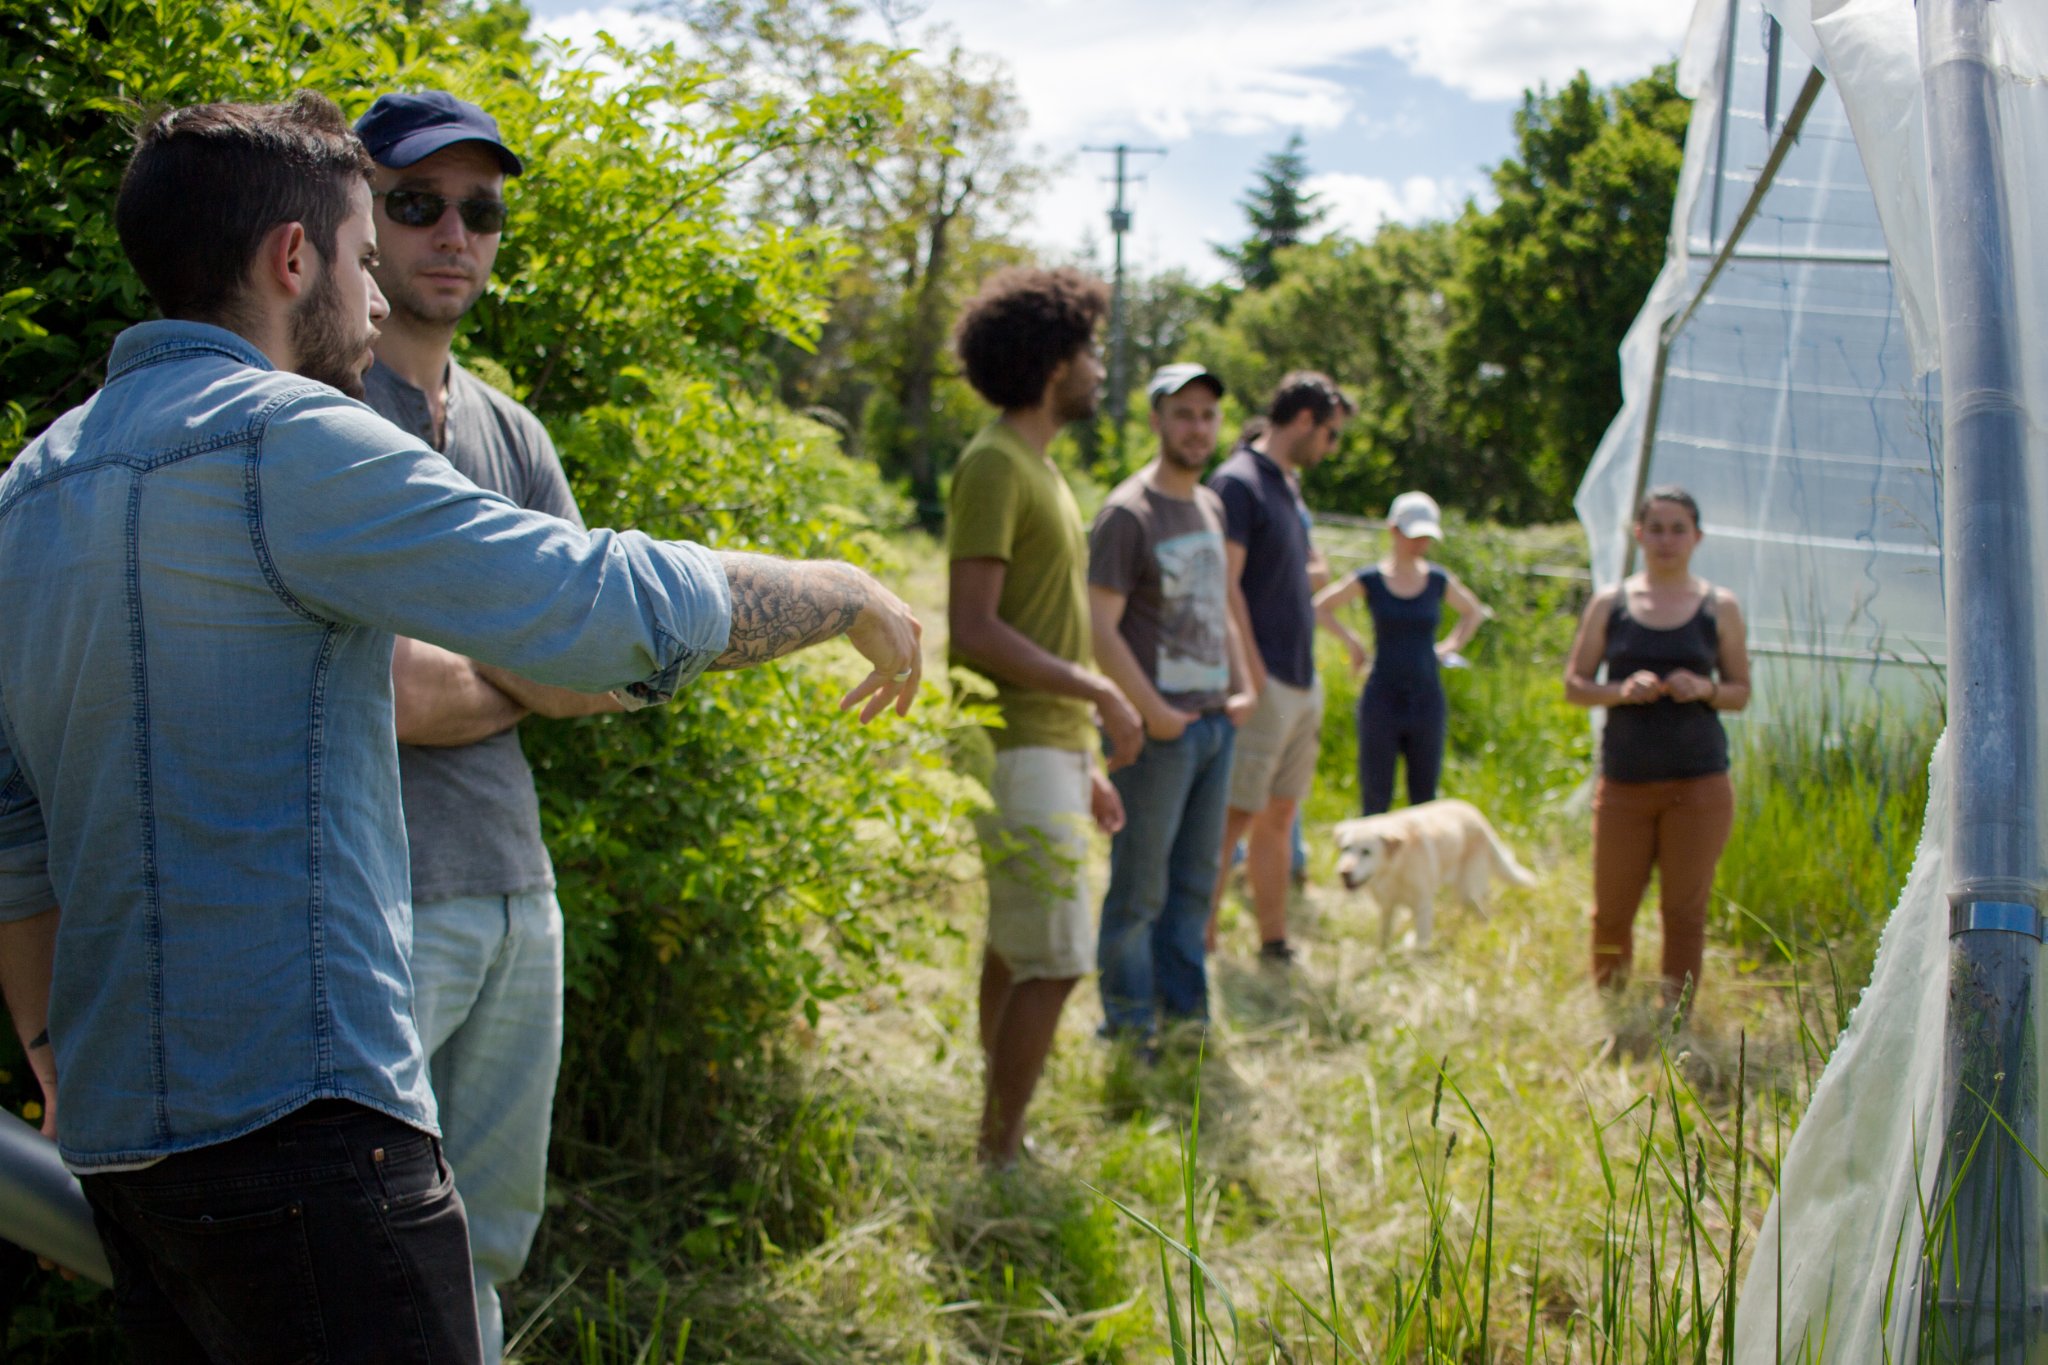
746 853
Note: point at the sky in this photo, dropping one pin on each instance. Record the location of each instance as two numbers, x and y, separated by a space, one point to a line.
1402 104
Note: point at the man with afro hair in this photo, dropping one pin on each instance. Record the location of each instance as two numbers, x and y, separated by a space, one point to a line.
1018 613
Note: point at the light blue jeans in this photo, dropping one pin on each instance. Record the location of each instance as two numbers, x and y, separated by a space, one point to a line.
1162 870
487 984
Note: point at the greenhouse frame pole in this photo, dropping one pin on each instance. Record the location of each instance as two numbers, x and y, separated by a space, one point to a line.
1673 325
1986 1271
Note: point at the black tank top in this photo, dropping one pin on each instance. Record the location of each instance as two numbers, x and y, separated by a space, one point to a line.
1404 632
1663 740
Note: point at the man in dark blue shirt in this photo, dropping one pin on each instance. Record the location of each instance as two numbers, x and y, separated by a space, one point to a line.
1270 567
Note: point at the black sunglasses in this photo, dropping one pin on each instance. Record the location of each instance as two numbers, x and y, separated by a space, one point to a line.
418 209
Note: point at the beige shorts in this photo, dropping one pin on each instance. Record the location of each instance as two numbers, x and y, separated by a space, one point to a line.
1034 845
1277 746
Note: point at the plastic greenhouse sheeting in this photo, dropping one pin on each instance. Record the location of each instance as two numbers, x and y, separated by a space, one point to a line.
1837 1273
1789 406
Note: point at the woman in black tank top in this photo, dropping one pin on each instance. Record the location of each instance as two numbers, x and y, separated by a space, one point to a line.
1674 655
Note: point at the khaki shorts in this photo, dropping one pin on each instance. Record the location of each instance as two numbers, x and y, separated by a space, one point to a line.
1034 845
1277 746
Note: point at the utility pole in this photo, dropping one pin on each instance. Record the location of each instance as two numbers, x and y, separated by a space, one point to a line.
1119 342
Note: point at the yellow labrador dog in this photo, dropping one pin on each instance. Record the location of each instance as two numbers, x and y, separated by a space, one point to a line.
1405 856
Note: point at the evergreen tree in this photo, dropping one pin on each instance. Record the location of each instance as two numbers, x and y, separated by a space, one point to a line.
1282 214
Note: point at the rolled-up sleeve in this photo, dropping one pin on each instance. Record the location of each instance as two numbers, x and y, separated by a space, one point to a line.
358 522
25 888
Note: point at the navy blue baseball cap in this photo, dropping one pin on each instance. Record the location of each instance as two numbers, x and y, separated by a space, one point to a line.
402 129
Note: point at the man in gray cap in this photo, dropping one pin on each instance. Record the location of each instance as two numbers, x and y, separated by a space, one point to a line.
1159 611
487 932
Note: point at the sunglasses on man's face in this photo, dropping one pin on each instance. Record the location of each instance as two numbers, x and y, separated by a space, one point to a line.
418 209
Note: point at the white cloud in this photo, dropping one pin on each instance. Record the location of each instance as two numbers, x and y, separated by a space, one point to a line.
1174 69
1184 74
1358 204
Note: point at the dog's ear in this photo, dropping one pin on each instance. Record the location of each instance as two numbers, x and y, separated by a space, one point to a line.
1393 839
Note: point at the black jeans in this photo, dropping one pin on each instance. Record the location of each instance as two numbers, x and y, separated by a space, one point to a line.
334 1234
1405 722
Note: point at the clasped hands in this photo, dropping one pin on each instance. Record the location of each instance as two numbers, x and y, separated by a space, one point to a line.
1681 684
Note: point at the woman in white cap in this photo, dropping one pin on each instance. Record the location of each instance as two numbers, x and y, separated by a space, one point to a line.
1401 710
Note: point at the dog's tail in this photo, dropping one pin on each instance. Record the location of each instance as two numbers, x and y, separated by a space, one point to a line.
1504 861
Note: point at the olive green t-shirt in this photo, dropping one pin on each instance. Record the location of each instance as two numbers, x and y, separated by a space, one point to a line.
1010 503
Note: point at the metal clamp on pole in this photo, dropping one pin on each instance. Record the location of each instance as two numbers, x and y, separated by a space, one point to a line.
2009 917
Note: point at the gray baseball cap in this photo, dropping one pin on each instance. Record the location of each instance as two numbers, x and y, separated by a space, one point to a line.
1171 379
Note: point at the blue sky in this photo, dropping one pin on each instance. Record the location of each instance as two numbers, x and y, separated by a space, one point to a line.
1402 103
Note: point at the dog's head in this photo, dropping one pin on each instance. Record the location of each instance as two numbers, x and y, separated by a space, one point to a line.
1365 848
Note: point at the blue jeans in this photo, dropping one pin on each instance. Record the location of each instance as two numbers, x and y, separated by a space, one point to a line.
1162 869
487 984
334 1233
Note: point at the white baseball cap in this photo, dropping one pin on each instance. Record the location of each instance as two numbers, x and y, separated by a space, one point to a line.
1416 515
1171 379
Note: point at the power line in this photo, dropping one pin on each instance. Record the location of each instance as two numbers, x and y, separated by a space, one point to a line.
1119 342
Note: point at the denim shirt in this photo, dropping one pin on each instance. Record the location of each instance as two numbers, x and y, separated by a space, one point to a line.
201 570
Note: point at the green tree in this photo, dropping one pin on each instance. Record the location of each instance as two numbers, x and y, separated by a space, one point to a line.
923 199
1372 315
1282 214
1548 281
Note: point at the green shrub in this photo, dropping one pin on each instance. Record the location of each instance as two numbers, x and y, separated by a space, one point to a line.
746 853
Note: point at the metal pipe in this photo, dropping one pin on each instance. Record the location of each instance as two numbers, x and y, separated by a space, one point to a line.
1986 1257
41 1206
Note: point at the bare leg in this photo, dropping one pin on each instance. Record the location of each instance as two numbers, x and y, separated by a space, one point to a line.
1021 1040
995 989
1235 823
1266 860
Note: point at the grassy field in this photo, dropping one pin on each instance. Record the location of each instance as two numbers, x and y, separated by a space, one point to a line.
1458 1154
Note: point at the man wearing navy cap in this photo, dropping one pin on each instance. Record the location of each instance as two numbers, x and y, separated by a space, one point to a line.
487 932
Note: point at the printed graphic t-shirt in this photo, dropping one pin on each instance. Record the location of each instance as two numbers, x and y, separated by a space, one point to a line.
1165 555
1008 502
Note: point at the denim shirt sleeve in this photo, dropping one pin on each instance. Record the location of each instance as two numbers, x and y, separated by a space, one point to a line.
355 521
25 888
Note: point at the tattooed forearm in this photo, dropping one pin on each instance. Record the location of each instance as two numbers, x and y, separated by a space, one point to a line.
782 605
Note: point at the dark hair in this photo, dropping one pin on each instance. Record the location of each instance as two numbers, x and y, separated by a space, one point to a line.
1307 391
1023 323
209 180
1668 492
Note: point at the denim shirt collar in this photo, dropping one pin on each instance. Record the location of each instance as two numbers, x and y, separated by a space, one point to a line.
146 343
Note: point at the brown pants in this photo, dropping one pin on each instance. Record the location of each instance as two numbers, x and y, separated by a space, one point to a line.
1677 827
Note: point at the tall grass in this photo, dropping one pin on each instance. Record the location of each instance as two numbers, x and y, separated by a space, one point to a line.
1668 1242
1450 1156
1829 804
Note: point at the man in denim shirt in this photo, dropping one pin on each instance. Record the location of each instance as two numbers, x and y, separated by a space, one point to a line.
204 567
